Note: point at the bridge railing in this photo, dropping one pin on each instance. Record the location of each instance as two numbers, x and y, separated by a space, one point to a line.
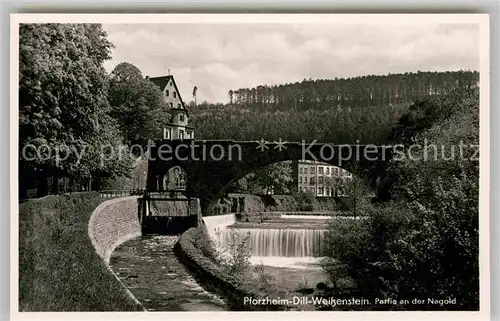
120 193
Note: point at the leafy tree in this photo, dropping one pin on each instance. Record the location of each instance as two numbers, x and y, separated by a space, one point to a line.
426 244
276 177
355 192
62 99
137 103
331 183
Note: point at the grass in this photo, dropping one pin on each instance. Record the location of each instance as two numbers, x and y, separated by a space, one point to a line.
59 269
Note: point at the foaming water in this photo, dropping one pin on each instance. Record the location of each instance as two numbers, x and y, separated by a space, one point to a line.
309 263
213 223
313 217
286 248
277 242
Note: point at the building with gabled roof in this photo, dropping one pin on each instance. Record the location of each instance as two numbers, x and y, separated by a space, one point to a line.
178 128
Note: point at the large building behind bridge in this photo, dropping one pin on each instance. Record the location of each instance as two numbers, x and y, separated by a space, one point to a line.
318 178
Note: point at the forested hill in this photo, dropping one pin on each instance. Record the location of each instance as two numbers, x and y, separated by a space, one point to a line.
351 92
360 109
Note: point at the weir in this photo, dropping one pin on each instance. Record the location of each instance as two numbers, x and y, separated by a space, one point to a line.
277 242
268 244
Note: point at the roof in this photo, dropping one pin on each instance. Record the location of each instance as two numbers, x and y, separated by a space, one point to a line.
181 109
163 81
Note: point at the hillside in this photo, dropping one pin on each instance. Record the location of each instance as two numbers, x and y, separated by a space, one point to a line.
361 109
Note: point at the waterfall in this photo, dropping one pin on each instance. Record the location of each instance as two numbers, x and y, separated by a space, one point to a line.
212 223
276 242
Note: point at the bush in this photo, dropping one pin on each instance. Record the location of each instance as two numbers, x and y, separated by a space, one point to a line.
306 201
426 245
220 274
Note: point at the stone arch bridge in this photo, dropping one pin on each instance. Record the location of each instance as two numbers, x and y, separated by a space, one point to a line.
212 166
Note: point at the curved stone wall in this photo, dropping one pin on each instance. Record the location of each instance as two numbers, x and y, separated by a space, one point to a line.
112 223
191 254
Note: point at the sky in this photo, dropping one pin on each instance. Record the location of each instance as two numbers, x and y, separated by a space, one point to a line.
219 57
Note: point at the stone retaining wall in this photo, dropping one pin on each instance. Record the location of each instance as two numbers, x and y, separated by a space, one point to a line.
111 224
210 275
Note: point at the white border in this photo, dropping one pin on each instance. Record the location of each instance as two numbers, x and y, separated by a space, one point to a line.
398 19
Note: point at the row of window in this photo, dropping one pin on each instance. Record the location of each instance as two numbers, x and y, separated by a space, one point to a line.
321 191
312 179
167 93
324 170
172 105
168 134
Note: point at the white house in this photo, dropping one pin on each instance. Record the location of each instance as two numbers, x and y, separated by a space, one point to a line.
178 128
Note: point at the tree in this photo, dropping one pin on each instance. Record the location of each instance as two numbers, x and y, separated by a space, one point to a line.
331 183
276 178
137 103
63 101
355 194
125 71
425 243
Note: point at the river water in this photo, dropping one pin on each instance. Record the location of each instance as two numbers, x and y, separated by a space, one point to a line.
150 270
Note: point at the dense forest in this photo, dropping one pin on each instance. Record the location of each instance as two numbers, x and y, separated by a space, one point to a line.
360 109
357 92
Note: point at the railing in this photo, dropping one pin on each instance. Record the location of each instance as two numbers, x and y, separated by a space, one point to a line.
120 193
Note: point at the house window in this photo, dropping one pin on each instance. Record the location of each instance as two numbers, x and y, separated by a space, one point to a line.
181 134
320 170
300 179
181 117
320 191
166 92
178 105
320 180
328 171
311 182
175 94
171 105
312 170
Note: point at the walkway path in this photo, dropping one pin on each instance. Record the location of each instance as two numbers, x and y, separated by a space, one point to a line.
151 271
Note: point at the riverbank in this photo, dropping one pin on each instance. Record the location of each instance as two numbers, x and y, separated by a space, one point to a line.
59 269
149 268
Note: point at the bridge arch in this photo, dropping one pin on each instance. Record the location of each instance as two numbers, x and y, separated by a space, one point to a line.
209 179
354 170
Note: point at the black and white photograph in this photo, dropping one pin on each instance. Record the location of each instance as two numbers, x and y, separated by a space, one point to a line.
318 163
